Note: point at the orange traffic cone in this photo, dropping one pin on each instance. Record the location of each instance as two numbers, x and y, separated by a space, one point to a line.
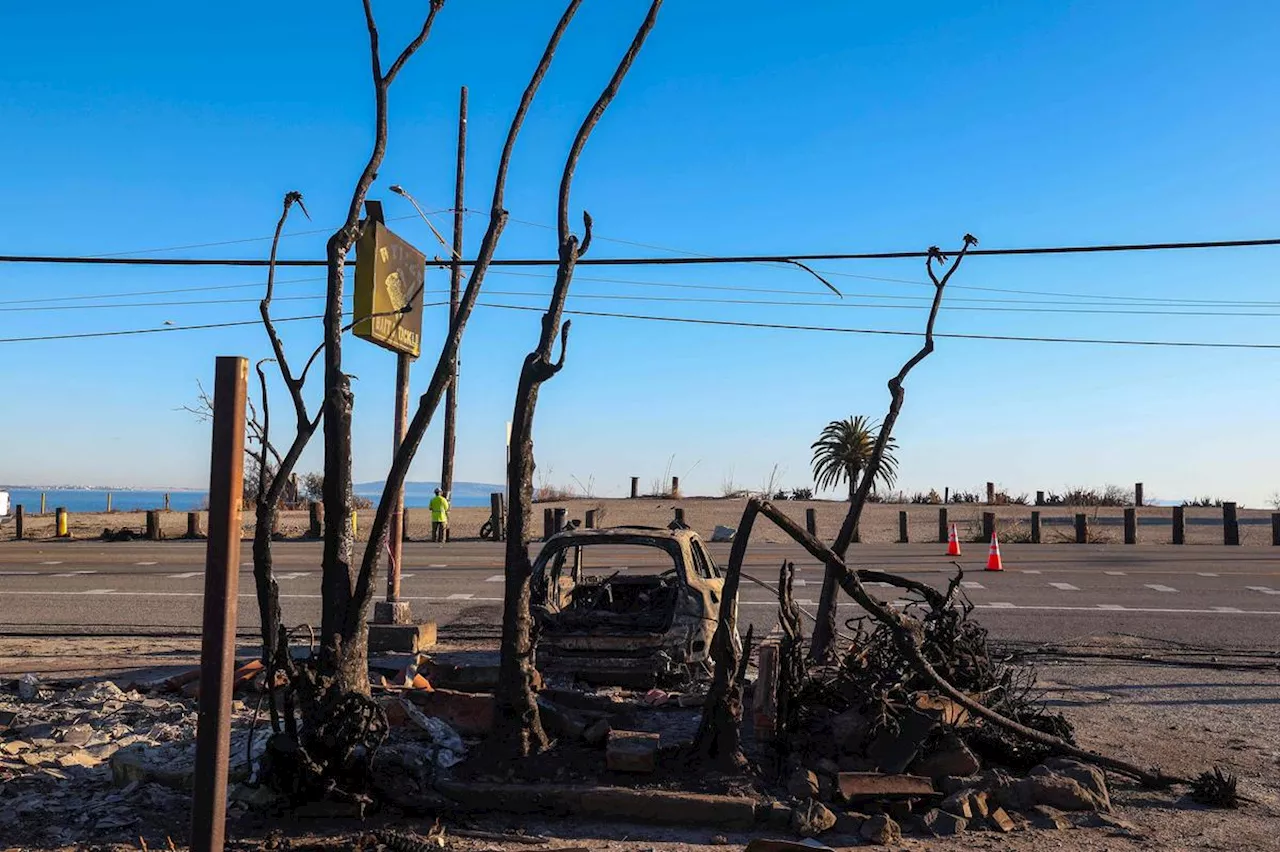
953 542
993 557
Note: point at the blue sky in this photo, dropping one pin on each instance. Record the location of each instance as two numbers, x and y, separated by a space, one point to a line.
833 126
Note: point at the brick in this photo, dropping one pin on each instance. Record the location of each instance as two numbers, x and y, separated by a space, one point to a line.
858 786
1000 820
631 751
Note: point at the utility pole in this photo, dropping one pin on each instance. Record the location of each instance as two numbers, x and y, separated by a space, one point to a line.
455 286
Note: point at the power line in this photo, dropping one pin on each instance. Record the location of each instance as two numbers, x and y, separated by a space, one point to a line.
895 333
670 261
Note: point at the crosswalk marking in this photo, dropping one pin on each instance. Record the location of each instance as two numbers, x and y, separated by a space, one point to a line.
1065 587
1156 587
460 596
186 576
1264 589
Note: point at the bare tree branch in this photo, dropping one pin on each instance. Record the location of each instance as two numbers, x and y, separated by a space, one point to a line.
412 47
824 630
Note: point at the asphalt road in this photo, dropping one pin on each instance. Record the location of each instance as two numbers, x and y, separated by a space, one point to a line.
1207 595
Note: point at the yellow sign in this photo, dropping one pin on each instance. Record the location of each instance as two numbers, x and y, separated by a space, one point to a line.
389 278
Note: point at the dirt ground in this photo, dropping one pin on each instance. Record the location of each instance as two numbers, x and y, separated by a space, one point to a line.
1183 709
879 523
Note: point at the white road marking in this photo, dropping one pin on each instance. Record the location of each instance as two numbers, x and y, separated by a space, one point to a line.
1226 609
19 573
801 601
74 574
1110 606
1205 574
144 564
406 576
1065 587
1115 573
1264 589
1000 605
53 562
621 568
971 584
460 596
186 576
294 575
1156 587
437 565
99 591
496 578
798 582
1032 572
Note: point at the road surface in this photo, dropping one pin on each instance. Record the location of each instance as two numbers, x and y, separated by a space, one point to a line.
1217 596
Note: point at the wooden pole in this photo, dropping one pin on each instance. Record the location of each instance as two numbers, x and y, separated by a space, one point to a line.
591 519
548 524
1131 526
991 493
153 525
1035 527
988 525
1039 498
635 487
496 519
1230 524
902 528
811 521
1137 495
395 533
1179 525
942 525
18 518
193 524
1082 528
1275 527
315 518
946 495
221 594
455 287
675 486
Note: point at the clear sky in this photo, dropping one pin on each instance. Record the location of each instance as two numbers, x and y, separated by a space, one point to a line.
745 127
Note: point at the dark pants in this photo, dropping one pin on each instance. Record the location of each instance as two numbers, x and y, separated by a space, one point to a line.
439 530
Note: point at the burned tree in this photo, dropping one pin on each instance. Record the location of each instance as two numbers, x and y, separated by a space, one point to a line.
825 629
520 729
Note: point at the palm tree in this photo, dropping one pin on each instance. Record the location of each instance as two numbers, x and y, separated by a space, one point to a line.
843 451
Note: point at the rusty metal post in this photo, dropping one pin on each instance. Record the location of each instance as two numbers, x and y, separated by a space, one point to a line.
18 519
902 528
942 525
221 595
1082 528
455 285
988 525
1138 495
991 493
1035 527
675 487
1131 526
1179 525
811 521
395 535
635 487
1230 524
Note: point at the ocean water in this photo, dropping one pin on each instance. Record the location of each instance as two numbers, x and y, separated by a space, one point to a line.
417 496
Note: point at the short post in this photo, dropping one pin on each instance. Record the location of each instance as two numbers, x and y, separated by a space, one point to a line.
1131 526
355 525
42 502
548 524
221 587
942 526
675 486
1275 527
635 487
591 519
166 501
153 525
193 524
1179 525
902 527
680 516
946 495
991 493
988 525
1230 524
496 516
108 502
811 521
1035 527
18 518
315 519
1039 498
1082 528
558 518
1137 495
60 523
404 525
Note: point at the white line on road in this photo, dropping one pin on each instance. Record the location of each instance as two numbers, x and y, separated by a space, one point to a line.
798 582
294 575
1156 587
460 596
145 564
1226 609
53 562
971 584
1065 587
1264 589
186 576
1032 572
1110 606
99 591
74 574
1205 574
437 565
496 578
19 573
1001 605
1115 573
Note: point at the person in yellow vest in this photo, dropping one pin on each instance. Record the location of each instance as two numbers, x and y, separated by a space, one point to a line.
439 506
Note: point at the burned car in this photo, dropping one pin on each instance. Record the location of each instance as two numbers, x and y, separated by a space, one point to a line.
633 606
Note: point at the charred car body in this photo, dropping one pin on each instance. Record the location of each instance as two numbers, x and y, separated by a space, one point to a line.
606 619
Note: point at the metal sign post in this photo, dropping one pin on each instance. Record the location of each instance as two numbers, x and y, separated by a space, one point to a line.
221 588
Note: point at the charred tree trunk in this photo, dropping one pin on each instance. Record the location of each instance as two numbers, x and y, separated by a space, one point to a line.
824 629
520 729
790 656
